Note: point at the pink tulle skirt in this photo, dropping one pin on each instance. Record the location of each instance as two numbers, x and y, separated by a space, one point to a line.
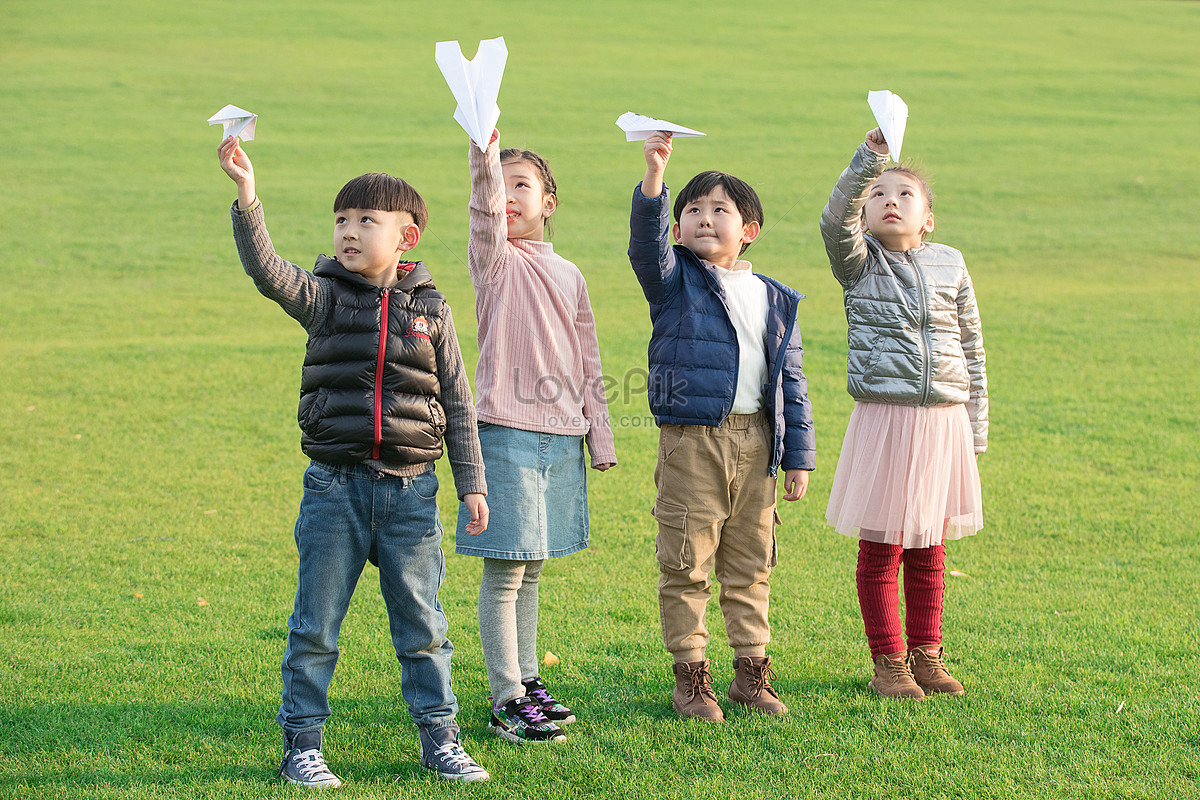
907 476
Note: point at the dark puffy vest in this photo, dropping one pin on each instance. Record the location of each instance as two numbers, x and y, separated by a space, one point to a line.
355 405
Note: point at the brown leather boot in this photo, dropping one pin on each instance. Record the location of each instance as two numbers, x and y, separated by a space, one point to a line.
893 677
693 695
751 685
930 672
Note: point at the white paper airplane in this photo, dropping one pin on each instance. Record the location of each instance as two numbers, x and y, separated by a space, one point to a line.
892 115
638 127
235 122
475 84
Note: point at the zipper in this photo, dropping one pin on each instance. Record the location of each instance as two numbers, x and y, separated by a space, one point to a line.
383 329
776 373
926 347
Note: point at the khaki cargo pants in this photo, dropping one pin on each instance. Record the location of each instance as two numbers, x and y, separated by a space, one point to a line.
716 516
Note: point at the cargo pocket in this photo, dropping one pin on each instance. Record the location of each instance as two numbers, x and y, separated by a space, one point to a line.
776 522
671 543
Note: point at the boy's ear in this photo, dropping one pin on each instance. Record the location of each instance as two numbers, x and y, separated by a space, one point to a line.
675 232
410 235
750 232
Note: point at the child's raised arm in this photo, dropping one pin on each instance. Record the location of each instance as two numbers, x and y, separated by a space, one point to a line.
237 166
841 221
658 152
486 251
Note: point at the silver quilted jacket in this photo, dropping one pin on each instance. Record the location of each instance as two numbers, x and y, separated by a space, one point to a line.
913 326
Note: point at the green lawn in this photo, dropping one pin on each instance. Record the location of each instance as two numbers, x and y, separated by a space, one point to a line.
149 459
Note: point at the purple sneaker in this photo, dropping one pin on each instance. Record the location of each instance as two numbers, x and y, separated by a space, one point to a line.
522 720
555 711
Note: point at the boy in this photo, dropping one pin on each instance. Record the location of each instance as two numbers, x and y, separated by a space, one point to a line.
730 399
383 382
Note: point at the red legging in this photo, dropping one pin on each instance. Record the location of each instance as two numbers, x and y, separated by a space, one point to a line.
879 595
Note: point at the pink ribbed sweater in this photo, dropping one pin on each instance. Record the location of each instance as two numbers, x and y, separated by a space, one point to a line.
539 359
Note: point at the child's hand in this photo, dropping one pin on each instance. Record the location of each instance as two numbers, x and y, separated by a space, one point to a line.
658 152
795 483
237 166
477 505
604 467
495 137
876 142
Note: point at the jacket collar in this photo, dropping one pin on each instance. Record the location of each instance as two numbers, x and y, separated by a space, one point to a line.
418 277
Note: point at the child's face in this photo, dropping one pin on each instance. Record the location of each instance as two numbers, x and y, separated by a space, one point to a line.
897 212
711 227
370 242
528 205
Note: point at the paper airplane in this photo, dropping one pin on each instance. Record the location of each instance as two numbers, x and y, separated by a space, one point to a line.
892 115
638 127
235 122
475 84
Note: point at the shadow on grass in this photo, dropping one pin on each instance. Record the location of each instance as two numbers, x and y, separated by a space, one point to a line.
125 745
621 702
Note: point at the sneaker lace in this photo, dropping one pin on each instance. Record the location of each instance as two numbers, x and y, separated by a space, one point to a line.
311 765
532 714
542 695
453 755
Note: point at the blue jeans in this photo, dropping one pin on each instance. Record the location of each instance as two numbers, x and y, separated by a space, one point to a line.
350 515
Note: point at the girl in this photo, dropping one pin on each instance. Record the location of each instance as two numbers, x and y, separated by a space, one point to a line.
540 394
906 479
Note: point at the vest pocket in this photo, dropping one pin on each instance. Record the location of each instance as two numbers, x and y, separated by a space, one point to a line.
437 417
312 408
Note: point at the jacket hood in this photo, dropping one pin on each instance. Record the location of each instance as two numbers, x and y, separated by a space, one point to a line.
418 277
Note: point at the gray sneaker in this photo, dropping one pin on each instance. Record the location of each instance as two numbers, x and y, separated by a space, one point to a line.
303 764
442 753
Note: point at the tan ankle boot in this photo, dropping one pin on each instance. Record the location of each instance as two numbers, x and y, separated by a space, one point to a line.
693 695
751 685
930 673
893 677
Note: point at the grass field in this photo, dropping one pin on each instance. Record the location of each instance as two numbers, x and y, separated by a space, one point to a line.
149 459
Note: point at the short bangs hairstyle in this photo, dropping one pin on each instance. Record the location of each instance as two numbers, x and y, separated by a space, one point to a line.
744 198
382 192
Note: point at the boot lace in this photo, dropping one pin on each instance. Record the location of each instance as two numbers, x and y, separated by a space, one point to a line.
699 682
933 662
899 669
758 676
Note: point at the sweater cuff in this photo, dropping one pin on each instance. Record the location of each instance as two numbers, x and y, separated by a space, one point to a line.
257 204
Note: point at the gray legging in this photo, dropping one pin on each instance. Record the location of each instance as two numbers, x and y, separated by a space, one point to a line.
508 614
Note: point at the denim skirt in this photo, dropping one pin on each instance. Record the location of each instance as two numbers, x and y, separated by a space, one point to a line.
537 496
